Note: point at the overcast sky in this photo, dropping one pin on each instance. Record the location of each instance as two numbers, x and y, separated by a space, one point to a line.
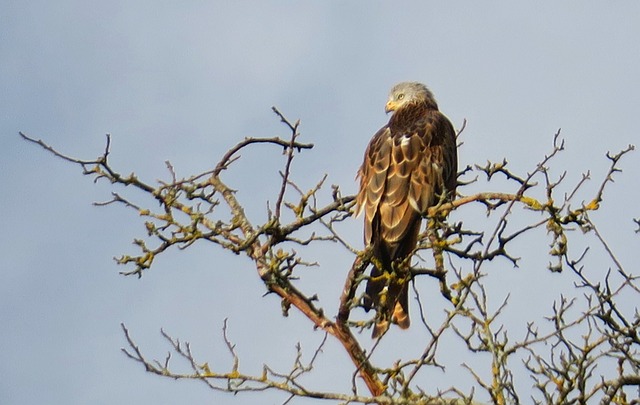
184 81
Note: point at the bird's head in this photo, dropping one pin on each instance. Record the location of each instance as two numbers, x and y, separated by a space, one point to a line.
408 93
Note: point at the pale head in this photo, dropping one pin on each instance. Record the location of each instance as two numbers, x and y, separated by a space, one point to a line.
407 93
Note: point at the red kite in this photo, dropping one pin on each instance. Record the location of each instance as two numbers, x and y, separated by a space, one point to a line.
409 166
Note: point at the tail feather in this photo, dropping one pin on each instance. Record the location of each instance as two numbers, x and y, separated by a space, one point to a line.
379 329
388 294
401 311
373 291
387 289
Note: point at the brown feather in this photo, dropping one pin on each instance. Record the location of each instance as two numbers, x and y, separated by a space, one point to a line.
408 165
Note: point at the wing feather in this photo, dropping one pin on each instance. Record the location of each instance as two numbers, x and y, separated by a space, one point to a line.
373 178
396 210
405 173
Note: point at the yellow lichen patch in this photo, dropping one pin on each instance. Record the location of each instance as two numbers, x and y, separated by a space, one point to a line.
465 282
559 382
145 261
593 205
207 371
531 203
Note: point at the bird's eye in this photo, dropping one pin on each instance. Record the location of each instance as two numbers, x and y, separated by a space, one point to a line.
400 96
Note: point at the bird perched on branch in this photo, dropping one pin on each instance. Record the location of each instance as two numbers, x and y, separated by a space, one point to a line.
409 166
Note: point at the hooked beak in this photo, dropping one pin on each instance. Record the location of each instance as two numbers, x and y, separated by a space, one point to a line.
391 106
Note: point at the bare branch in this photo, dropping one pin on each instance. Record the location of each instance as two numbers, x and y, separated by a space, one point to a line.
569 354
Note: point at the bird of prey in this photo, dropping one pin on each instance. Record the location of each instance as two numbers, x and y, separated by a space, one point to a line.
409 166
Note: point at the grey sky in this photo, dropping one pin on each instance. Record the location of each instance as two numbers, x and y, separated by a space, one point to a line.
184 81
